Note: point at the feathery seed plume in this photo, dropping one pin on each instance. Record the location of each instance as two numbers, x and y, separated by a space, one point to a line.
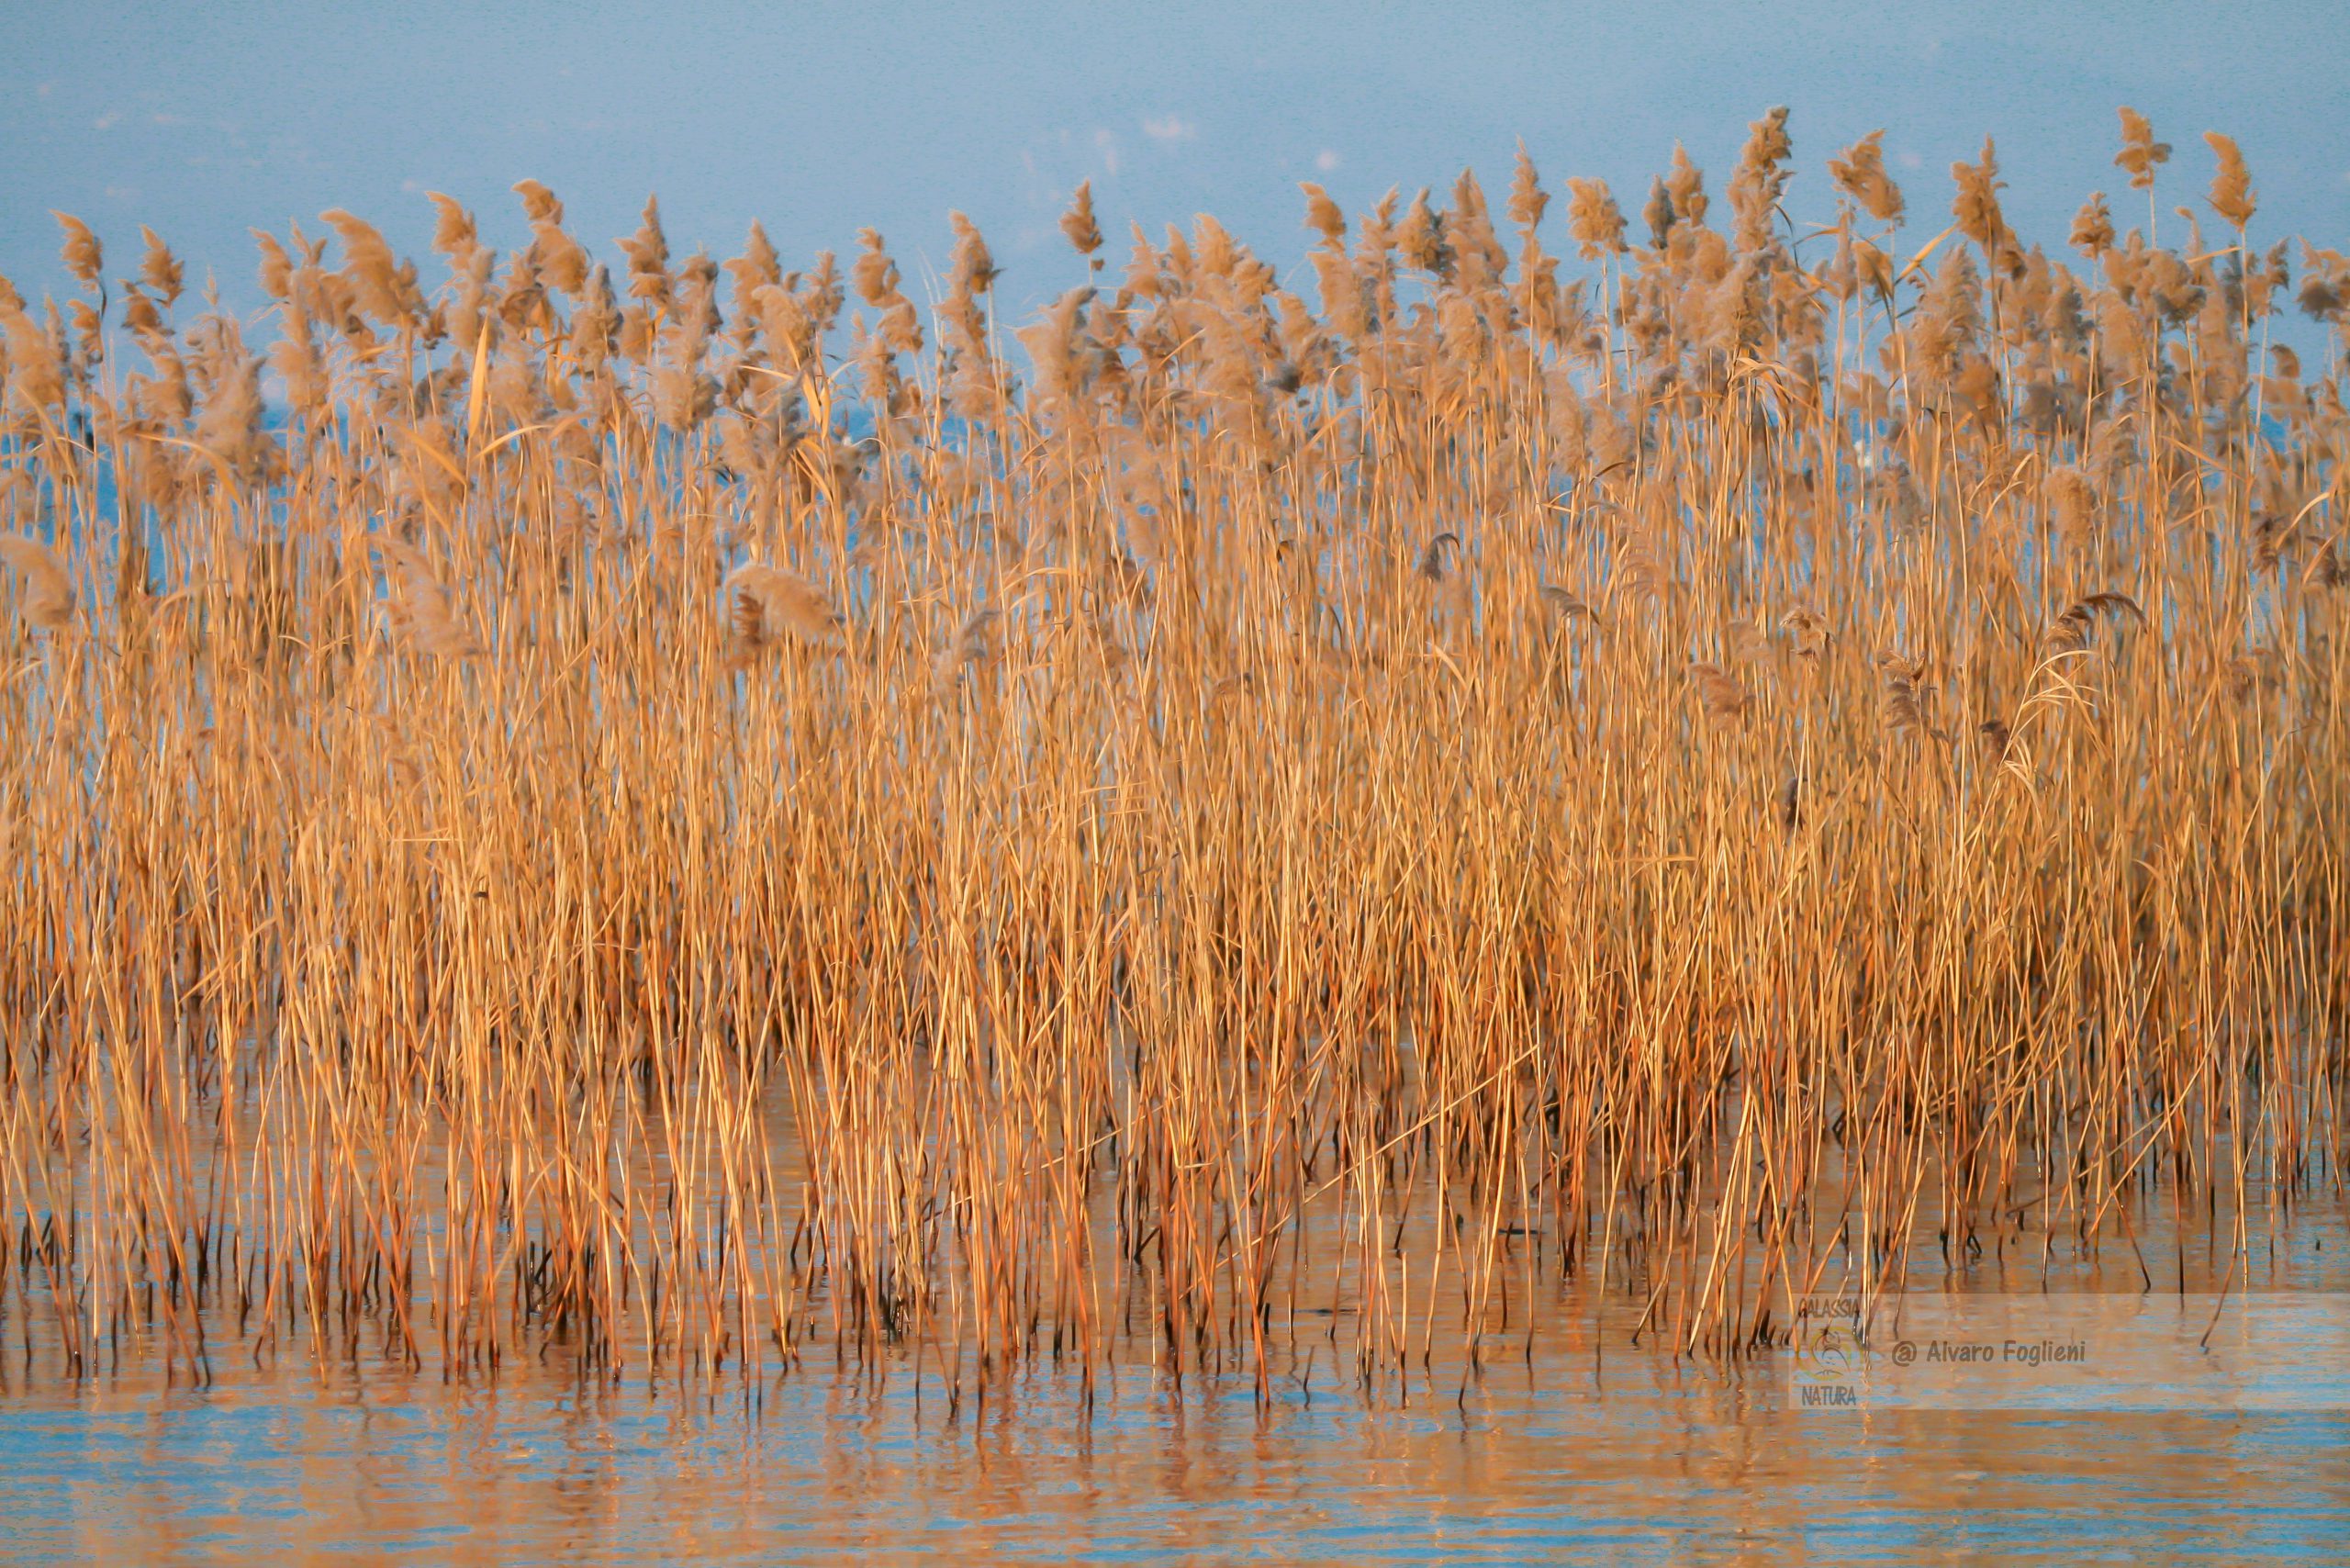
1322 215
2232 194
1077 222
1720 693
1859 173
84 256
769 603
159 269
44 589
2140 154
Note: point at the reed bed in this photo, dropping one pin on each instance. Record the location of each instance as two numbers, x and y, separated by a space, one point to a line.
696 811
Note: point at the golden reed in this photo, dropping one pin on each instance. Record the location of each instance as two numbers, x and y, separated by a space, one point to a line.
688 811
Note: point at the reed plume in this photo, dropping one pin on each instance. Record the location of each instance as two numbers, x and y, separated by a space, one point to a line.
771 605
1376 805
44 589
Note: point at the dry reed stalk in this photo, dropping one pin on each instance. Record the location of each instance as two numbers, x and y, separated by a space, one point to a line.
1295 916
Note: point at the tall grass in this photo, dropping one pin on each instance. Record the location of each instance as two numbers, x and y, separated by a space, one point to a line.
638 817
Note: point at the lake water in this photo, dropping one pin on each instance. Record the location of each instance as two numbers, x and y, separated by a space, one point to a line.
1584 1446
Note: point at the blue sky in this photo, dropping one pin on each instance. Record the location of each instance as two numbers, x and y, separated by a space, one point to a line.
206 120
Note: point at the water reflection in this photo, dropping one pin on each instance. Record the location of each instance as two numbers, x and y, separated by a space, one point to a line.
1600 1453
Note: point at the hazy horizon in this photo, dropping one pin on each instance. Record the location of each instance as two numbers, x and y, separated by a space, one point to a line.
826 121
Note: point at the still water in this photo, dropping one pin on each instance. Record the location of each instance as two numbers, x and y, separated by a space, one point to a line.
1585 1447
